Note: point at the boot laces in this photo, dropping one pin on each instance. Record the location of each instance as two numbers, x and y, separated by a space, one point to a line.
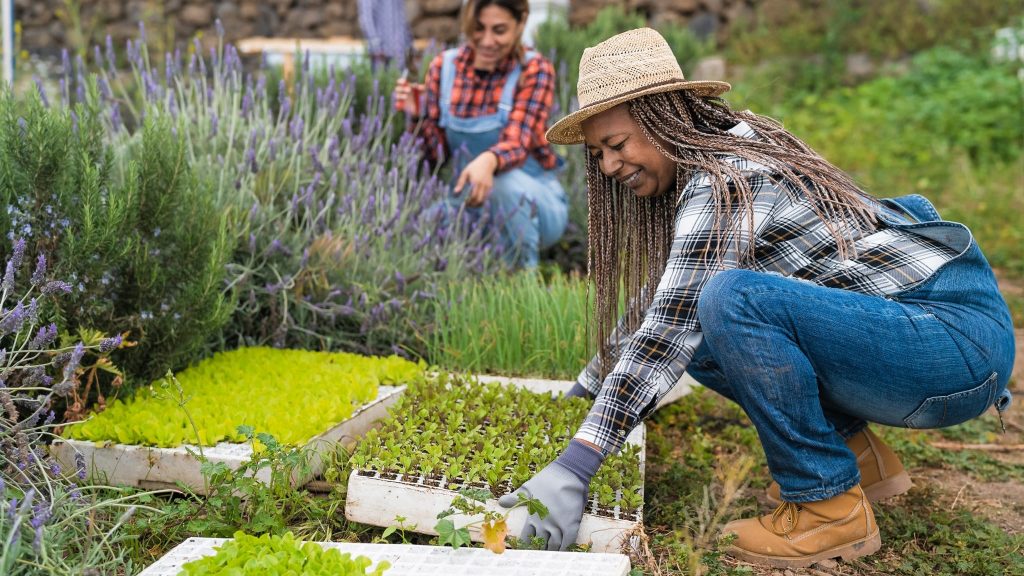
787 512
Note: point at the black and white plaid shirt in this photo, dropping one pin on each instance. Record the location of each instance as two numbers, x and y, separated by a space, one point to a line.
790 240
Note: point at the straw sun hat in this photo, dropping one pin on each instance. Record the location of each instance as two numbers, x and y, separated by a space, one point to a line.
622 68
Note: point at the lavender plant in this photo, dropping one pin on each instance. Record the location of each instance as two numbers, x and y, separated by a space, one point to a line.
336 242
130 227
47 523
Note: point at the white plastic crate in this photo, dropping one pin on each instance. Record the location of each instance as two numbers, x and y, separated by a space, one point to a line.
685 385
374 500
155 468
410 560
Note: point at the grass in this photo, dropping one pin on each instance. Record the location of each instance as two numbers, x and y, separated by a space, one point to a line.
522 324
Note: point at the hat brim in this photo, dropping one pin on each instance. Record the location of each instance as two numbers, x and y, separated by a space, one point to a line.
569 130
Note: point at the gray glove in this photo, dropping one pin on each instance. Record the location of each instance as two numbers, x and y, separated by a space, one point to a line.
578 391
562 486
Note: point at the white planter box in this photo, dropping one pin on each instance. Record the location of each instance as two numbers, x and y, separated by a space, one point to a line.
409 560
375 500
155 468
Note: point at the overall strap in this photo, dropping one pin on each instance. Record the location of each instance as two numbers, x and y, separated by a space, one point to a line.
508 92
447 81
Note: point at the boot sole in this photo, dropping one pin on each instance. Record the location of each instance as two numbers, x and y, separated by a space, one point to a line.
882 490
846 552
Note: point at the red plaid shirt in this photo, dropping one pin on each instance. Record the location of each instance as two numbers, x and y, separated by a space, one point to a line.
477 93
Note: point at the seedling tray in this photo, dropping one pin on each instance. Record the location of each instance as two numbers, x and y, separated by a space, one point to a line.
685 385
375 500
155 468
410 560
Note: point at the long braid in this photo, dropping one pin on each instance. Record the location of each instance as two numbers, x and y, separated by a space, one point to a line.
630 237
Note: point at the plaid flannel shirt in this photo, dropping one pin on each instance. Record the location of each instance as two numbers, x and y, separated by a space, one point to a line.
477 93
789 239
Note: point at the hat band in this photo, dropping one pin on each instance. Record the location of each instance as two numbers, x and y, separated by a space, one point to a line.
633 91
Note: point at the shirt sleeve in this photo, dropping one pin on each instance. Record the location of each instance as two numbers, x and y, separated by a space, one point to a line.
434 142
657 355
535 94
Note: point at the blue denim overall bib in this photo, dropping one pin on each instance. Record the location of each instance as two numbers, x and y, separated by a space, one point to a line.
528 203
935 355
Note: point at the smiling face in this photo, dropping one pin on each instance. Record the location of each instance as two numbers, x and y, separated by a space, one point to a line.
494 35
624 153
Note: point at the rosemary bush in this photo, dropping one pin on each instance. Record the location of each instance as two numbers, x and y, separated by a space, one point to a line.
47 523
335 242
130 228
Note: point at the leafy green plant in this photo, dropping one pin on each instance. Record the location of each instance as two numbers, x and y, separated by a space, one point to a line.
523 324
301 394
280 556
493 525
490 437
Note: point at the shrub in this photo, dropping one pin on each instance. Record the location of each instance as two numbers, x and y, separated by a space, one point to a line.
130 227
336 245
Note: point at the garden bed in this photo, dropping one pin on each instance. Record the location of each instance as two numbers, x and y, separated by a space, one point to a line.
412 560
230 405
155 468
394 475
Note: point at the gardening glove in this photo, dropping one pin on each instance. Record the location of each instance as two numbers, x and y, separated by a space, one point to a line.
562 486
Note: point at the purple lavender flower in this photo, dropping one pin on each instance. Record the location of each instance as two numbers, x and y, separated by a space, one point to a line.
39 275
42 92
13 319
55 286
74 361
80 469
111 57
109 344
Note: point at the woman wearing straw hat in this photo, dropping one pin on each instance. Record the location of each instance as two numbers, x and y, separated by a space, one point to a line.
764 271
491 98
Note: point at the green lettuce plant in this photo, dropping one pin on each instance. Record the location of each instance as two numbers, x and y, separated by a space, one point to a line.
292 395
279 556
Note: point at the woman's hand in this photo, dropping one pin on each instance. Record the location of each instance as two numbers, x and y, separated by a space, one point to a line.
478 177
407 97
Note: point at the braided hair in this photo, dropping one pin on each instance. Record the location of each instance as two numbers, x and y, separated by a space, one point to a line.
630 237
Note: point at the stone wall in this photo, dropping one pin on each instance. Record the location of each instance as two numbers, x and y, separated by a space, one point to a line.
46 25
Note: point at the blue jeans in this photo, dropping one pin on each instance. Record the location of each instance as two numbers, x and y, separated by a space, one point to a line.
812 365
528 210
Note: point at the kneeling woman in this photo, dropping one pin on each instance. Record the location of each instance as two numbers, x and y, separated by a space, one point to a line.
490 99
762 269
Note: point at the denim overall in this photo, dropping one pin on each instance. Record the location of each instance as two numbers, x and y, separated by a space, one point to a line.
934 355
527 203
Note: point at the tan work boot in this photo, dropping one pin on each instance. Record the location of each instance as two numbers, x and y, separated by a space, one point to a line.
798 535
881 473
